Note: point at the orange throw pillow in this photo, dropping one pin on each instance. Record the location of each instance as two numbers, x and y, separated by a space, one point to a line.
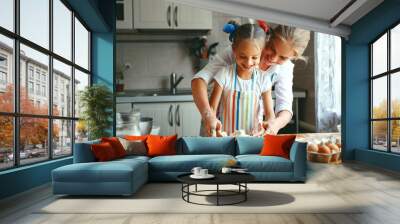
161 145
116 145
136 138
277 145
103 152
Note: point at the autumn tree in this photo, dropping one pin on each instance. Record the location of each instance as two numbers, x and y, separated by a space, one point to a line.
33 131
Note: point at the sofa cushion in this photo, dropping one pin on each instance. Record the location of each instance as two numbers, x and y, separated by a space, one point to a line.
103 152
257 163
249 145
112 171
83 152
208 145
116 145
161 145
277 145
185 163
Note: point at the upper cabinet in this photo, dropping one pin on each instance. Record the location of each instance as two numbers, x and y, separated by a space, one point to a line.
161 14
124 13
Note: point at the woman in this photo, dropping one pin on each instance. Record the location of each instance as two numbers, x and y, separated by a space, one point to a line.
284 44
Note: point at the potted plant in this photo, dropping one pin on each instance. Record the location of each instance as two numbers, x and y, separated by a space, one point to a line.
120 76
96 103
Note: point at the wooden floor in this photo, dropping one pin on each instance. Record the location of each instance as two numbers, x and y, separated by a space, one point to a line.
377 188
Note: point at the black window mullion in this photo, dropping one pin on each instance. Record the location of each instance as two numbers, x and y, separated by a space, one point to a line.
50 87
73 82
389 106
16 84
371 89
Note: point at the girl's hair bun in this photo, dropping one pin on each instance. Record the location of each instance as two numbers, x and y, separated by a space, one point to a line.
231 28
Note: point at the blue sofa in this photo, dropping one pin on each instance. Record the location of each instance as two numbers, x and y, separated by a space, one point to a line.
125 176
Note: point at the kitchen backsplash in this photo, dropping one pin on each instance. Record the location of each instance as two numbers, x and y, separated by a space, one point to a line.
152 63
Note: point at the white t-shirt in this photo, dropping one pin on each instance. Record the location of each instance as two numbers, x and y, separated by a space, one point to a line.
281 75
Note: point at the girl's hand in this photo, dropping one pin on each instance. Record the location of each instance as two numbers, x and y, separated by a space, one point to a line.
271 127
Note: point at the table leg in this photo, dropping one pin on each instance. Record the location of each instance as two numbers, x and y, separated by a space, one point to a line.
196 187
217 194
245 192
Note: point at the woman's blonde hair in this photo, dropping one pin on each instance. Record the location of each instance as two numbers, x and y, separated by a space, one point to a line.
297 37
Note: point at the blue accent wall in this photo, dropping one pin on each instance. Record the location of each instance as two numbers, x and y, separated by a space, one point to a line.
100 18
356 86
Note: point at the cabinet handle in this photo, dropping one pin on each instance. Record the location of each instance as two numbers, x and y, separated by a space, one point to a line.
170 118
177 116
169 16
176 16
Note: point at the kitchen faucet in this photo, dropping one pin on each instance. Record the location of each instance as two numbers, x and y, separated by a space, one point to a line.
173 82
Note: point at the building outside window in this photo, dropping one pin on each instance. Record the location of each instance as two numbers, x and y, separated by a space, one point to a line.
385 95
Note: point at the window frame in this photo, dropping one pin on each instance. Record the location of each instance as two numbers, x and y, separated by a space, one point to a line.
388 74
16 114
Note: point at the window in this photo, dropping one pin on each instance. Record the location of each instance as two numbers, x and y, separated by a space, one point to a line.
45 131
43 90
30 72
385 96
30 88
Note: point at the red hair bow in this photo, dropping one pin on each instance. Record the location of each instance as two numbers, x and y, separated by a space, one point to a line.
263 25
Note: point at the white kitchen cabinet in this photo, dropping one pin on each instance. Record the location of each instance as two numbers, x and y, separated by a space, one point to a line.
124 14
123 107
190 119
180 118
162 14
189 18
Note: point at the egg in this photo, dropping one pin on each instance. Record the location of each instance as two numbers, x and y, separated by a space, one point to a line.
312 147
333 147
322 148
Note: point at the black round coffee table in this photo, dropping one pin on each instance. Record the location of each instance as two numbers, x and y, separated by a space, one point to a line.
238 179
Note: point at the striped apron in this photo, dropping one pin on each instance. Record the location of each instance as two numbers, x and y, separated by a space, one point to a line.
239 109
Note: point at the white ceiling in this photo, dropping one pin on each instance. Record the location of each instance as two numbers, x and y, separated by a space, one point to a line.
316 15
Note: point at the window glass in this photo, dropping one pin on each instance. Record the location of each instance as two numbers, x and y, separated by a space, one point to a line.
62 138
395 95
34 21
6 142
62 91
6 74
395 136
379 135
62 29
81 131
81 45
7 14
379 56
81 81
379 98
395 47
39 62
33 139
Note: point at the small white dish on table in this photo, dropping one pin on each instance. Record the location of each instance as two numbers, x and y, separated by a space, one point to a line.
207 176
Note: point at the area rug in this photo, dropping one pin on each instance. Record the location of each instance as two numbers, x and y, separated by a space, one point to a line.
166 198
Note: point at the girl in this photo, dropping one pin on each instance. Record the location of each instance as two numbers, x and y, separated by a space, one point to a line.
239 87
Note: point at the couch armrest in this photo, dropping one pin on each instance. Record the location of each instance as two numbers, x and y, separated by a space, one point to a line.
298 155
83 152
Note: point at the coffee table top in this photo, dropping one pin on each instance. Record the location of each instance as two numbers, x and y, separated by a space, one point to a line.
220 178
